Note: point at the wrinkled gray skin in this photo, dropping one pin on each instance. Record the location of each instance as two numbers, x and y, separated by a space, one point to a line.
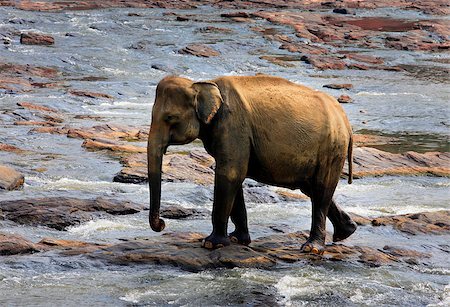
262 127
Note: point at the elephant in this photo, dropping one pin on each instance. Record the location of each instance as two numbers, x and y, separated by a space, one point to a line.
261 127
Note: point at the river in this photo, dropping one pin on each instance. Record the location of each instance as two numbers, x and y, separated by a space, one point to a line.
121 49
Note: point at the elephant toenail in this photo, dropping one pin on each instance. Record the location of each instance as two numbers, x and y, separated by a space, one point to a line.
315 250
234 239
207 244
307 248
219 245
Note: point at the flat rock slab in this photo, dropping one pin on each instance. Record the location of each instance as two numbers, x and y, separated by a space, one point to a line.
32 38
373 162
62 212
184 250
10 179
437 222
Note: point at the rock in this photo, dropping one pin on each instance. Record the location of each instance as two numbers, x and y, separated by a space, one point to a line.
177 167
32 38
69 247
373 162
10 179
177 212
282 61
10 148
344 99
101 144
182 18
360 220
199 50
235 14
62 212
90 94
334 86
324 62
437 222
35 123
212 29
109 131
341 11
360 140
32 106
364 58
11 244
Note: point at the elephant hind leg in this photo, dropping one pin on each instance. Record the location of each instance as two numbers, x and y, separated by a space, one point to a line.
343 224
239 218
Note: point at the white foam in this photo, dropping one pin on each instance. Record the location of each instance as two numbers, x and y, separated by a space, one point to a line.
365 93
104 225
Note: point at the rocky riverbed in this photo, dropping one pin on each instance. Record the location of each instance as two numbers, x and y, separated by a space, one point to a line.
77 82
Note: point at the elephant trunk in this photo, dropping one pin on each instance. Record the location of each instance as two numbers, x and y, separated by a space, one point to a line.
155 150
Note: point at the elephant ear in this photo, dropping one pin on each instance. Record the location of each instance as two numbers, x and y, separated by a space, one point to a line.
207 100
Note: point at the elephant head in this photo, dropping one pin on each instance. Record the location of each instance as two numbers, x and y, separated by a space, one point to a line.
181 109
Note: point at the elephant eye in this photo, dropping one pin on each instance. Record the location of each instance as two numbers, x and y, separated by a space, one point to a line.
170 118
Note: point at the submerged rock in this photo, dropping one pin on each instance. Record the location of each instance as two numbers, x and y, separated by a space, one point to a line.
32 38
199 50
10 179
62 212
345 99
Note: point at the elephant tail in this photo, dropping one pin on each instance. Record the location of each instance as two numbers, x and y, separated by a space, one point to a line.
350 160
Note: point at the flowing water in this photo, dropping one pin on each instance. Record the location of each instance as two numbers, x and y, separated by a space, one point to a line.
121 50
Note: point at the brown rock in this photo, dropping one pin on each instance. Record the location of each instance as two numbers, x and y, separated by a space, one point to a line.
109 131
364 58
345 86
10 179
69 247
90 94
199 50
437 222
360 140
10 148
35 123
177 212
344 99
373 162
324 62
62 212
235 14
31 38
11 244
101 144
282 61
32 106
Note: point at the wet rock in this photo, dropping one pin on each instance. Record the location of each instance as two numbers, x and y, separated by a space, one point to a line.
283 61
373 162
195 166
324 62
10 148
10 179
90 94
182 18
364 58
183 251
177 212
344 99
235 14
334 86
35 123
361 140
68 247
32 38
341 11
62 212
437 222
32 106
101 144
11 244
212 29
17 78
199 50
109 131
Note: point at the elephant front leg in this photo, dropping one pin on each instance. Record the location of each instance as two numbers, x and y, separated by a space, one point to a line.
225 189
321 201
239 218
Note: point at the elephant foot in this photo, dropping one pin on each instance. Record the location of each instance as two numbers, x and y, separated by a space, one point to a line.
344 231
214 241
313 247
240 237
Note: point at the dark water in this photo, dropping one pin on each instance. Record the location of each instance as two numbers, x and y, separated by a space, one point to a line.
120 50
